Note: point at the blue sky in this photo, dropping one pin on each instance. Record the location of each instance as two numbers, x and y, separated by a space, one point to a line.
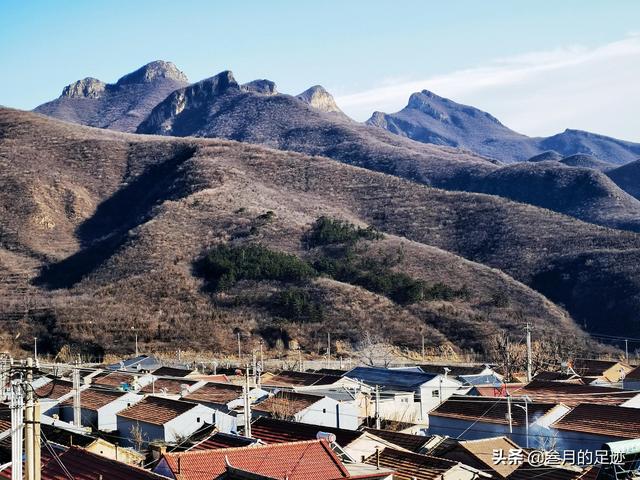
518 60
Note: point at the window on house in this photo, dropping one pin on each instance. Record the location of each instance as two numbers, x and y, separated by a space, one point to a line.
435 393
198 420
324 410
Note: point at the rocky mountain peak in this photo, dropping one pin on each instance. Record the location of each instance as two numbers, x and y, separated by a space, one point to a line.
263 86
152 71
86 88
318 98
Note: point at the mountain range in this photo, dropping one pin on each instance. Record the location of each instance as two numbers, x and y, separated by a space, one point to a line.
430 118
102 226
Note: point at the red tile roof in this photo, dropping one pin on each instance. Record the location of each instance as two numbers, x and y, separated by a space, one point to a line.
295 461
271 430
487 410
572 394
113 379
84 465
223 440
587 367
286 404
172 372
410 466
220 393
156 410
413 443
557 377
527 472
54 389
93 399
290 378
607 420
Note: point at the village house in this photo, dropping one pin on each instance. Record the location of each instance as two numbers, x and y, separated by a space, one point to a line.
551 376
161 419
292 379
124 382
304 460
307 408
631 380
171 387
473 418
588 426
479 454
98 408
227 401
457 369
139 364
570 394
415 466
349 445
429 389
52 393
599 372
82 464
174 372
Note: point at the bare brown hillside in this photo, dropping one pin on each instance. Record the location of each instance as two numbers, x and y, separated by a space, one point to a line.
125 255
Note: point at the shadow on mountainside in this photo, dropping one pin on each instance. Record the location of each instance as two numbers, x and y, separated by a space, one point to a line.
102 234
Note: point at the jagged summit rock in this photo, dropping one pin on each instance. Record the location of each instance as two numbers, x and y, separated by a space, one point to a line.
86 88
263 86
118 106
318 98
153 71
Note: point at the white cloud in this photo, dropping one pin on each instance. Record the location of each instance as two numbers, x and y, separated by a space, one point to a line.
537 93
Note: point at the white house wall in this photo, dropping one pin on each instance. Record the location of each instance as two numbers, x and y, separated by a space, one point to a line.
187 423
107 420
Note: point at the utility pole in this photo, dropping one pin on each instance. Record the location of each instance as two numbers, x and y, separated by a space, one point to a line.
239 350
35 348
77 412
377 414
328 349
17 429
529 362
29 422
423 347
626 350
247 406
254 363
36 440
509 412
300 359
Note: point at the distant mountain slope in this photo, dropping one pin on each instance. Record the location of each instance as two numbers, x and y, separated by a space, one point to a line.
606 149
627 177
429 118
155 205
119 106
583 193
586 161
219 107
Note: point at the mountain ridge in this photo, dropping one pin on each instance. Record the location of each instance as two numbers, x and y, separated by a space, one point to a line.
118 106
430 118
